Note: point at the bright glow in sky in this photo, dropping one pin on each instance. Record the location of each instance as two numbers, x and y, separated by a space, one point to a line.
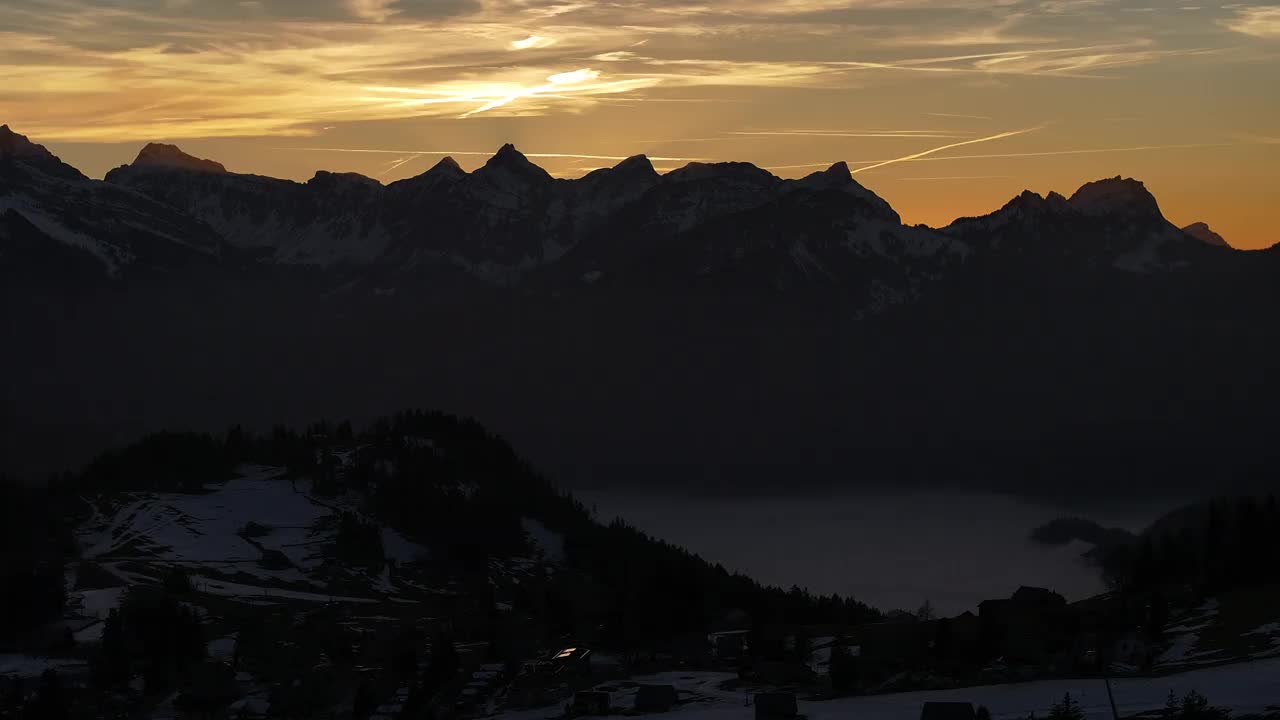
944 107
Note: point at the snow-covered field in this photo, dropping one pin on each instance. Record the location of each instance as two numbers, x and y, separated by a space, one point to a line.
30 666
1244 687
204 533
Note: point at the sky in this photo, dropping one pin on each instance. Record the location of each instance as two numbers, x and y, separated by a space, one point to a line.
946 108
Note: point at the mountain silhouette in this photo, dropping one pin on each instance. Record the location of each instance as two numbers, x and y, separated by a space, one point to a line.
1203 233
714 325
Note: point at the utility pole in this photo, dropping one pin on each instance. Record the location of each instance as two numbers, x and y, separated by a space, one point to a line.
1104 653
1106 677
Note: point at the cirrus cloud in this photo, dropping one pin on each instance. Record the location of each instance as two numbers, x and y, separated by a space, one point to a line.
1262 22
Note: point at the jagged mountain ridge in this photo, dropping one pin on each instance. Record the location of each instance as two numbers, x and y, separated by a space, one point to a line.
716 316
510 219
717 222
1116 219
59 225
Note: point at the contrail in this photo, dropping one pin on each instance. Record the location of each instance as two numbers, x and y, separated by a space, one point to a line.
1042 153
957 115
919 155
397 164
1086 151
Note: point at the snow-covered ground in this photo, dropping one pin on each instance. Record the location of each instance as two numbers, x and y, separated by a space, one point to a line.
223 648
549 543
29 666
206 528
1243 687
1185 636
95 603
1269 632
254 592
205 533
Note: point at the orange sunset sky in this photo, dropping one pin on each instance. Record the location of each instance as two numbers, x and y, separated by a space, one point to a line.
944 108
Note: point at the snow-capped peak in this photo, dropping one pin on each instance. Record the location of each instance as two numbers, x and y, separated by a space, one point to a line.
1204 234
170 156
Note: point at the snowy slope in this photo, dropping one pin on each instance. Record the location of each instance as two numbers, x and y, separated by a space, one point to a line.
203 533
1244 687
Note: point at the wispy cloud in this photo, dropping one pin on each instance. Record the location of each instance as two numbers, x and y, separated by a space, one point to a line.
375 10
959 116
114 70
1262 22
533 41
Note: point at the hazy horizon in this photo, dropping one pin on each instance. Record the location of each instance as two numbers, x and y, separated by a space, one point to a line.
892 550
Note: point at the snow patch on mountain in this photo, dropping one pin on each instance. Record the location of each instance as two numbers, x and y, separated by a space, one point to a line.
1243 688
112 258
209 531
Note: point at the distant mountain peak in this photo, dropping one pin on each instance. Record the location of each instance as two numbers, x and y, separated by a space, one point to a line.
839 170
447 165
742 171
839 178
13 145
637 164
326 179
1204 234
1030 201
1115 195
836 176
508 152
172 157
511 161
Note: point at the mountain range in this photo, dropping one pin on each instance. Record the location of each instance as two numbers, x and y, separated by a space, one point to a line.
714 323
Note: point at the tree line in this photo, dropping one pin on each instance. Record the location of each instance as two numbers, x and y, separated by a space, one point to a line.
451 484
1221 545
